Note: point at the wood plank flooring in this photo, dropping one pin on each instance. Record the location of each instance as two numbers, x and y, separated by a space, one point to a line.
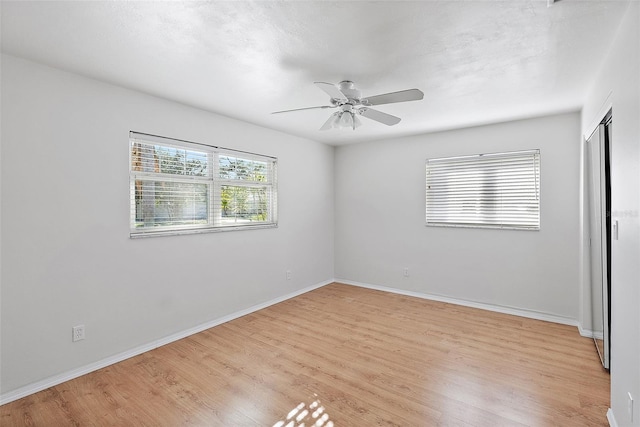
344 356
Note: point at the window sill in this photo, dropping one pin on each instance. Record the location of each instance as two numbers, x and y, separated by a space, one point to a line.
161 233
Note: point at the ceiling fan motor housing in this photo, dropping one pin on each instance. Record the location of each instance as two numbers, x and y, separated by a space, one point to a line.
348 88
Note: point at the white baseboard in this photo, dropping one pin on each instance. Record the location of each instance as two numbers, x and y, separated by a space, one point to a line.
75 373
589 333
611 418
531 314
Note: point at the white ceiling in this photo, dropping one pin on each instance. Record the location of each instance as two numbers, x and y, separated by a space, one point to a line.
476 62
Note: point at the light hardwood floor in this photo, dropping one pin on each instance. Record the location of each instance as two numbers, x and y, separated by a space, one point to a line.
344 356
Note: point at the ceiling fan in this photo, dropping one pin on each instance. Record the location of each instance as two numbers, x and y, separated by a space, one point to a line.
350 104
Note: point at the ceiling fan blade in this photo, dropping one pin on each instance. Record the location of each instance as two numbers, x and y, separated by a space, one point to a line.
379 116
331 90
389 98
329 123
306 108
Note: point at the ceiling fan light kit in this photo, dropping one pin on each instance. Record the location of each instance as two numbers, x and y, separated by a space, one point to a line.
342 120
348 99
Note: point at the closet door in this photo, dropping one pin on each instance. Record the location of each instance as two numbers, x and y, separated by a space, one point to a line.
598 242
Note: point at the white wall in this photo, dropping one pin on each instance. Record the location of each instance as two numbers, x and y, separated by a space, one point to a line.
66 254
618 86
380 224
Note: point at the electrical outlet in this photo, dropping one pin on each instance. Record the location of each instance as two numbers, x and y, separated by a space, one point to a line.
630 406
405 272
288 275
77 333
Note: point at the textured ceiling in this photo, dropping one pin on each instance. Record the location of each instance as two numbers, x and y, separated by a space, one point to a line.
476 62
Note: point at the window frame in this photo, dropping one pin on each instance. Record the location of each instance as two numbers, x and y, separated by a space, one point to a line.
214 216
496 216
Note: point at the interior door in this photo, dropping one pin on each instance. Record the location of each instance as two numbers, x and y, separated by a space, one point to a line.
599 239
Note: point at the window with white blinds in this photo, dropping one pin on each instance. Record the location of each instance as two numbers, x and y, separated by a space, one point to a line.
500 190
181 187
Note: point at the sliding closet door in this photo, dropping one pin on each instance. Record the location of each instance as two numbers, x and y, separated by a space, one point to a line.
598 242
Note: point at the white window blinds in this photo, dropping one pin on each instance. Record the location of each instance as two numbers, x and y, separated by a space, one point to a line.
182 187
499 190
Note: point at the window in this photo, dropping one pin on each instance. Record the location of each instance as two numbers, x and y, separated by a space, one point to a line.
182 187
487 190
